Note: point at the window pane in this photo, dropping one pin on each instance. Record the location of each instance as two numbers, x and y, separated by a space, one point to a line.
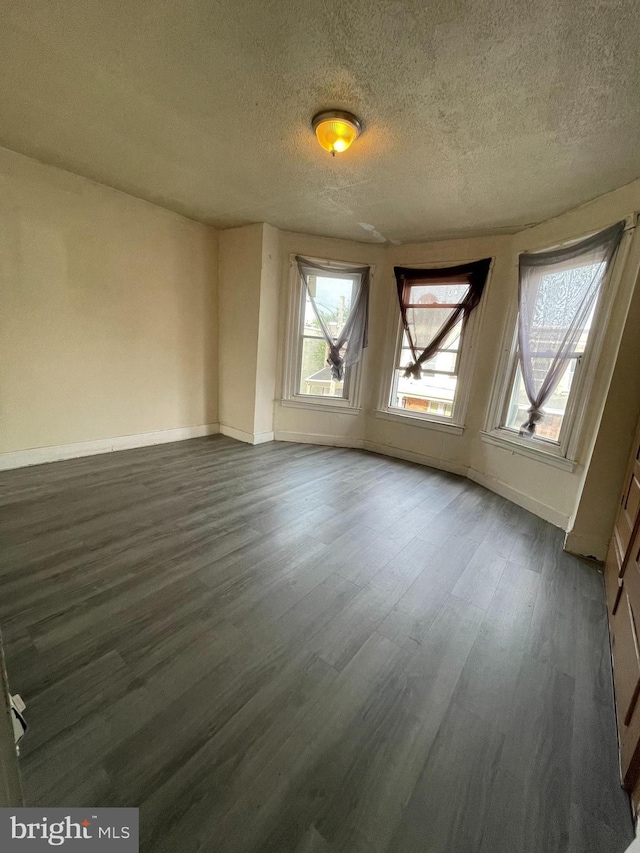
559 297
311 325
425 323
434 294
442 362
559 293
582 343
452 341
430 395
333 296
333 301
549 427
315 375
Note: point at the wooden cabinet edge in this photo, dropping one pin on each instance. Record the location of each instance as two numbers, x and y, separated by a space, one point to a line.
10 785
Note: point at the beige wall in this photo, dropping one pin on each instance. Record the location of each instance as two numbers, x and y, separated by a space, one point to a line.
240 273
267 379
249 285
108 308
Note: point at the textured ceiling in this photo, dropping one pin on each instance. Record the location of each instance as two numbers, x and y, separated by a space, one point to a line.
480 116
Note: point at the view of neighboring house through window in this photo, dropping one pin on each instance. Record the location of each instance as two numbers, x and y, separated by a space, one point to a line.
434 392
556 406
333 295
559 292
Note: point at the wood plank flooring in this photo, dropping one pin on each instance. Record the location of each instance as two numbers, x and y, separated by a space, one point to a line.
306 649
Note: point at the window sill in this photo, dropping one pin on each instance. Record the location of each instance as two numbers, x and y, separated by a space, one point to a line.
419 421
525 447
321 406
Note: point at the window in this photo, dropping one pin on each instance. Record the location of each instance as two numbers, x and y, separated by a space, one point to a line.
555 408
434 339
333 294
327 333
559 318
434 392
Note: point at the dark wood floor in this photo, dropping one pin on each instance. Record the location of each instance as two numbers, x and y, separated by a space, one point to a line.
298 648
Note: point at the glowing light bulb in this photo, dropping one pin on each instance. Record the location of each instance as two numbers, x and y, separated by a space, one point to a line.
336 130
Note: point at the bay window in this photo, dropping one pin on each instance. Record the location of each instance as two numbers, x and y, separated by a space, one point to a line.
560 297
429 361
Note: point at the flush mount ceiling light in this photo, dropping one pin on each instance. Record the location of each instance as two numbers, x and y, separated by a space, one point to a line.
336 130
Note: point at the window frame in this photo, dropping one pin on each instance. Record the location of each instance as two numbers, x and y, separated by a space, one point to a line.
565 452
348 404
465 362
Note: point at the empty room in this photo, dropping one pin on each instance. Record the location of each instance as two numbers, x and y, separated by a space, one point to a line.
319 426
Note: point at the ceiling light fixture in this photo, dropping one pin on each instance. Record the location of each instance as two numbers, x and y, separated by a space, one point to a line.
336 130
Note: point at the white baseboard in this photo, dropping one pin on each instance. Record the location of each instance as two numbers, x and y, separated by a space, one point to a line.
576 544
319 438
419 458
586 546
38 455
247 437
531 504
263 437
538 508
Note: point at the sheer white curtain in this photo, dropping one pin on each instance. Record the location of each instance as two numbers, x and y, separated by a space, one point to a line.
557 293
346 349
